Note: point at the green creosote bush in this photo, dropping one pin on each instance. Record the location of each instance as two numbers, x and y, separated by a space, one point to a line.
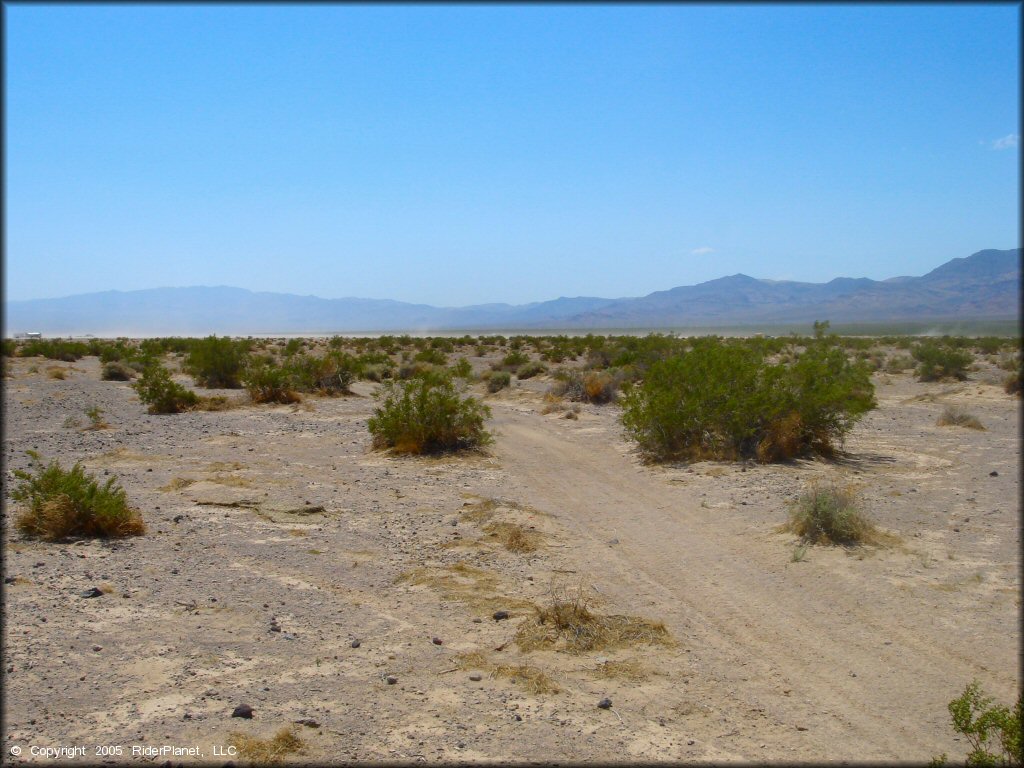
462 369
161 393
498 380
987 727
431 355
332 374
116 370
267 382
724 401
529 370
218 363
426 414
937 361
62 503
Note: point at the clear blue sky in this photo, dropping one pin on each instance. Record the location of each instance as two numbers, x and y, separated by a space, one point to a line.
454 155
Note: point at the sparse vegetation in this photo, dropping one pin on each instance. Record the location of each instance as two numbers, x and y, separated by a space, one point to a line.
956 416
724 401
992 731
426 415
62 503
830 514
938 360
161 393
586 387
217 362
514 537
498 380
115 370
271 751
568 624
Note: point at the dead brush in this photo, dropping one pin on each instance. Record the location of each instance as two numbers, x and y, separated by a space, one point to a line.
567 624
477 588
514 537
266 751
57 372
622 670
533 679
832 514
955 416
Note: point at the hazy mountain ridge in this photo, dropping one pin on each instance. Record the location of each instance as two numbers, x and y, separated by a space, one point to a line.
983 285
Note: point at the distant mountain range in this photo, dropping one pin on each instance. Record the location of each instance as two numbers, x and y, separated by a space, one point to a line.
984 286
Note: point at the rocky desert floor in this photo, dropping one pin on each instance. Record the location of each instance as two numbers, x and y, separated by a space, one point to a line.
351 595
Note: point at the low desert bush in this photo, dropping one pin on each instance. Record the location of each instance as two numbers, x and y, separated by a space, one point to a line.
512 361
161 393
56 372
723 401
529 370
498 380
332 374
898 363
955 416
116 370
937 361
426 414
267 382
1012 384
62 503
586 387
431 355
566 623
217 362
993 731
829 514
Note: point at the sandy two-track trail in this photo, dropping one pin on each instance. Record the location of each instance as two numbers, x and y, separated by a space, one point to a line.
266 516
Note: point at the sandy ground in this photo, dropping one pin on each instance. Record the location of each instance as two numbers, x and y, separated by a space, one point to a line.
282 516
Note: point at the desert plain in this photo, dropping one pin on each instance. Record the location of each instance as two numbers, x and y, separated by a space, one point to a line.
350 595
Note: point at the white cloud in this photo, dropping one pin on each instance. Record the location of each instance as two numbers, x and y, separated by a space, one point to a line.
701 251
1009 141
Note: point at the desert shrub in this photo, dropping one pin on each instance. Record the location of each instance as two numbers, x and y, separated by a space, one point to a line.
586 387
62 503
512 361
937 360
498 380
115 370
830 515
993 731
431 355
269 383
1012 383
161 393
955 416
426 414
54 349
462 369
218 362
10 348
723 401
898 363
529 370
56 372
331 374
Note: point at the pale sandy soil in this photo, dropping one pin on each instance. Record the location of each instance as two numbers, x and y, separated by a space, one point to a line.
848 654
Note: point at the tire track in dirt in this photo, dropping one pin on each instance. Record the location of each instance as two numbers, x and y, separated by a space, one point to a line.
867 681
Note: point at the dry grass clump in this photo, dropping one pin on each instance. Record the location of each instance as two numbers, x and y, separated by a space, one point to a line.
57 372
531 678
568 624
832 514
623 670
176 484
514 537
955 416
463 582
266 751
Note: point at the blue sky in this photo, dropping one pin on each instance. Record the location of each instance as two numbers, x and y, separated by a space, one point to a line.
454 155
